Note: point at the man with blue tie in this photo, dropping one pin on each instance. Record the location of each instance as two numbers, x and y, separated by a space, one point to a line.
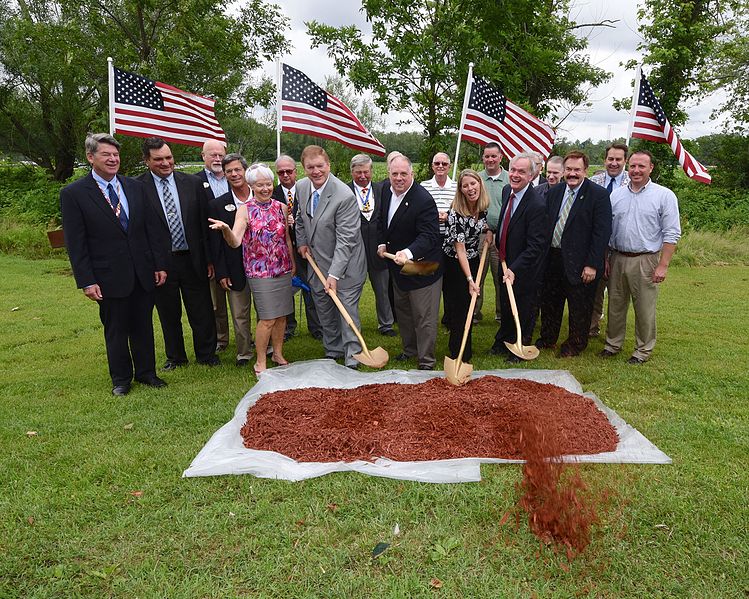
179 201
116 252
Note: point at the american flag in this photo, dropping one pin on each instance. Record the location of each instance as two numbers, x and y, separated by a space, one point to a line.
145 108
650 122
308 109
491 117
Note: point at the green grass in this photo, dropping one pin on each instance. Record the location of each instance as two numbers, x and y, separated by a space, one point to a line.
70 525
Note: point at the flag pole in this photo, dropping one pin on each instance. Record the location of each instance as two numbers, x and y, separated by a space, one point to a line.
635 98
110 80
466 97
278 107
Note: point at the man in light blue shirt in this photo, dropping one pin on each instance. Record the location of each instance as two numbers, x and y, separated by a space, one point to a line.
645 230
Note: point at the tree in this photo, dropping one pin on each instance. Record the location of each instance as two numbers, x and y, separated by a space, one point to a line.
418 55
53 75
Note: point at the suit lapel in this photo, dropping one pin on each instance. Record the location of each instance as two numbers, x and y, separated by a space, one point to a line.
152 196
401 211
182 200
576 207
101 202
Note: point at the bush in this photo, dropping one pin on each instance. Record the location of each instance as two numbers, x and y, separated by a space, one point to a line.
710 208
28 196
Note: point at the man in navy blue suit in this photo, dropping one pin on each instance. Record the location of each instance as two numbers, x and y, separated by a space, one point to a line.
116 252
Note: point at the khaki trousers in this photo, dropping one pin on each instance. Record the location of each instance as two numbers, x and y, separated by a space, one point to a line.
632 277
239 304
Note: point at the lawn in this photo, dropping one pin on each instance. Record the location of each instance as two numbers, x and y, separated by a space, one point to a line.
93 504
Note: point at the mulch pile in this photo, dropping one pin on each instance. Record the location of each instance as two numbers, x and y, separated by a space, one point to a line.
426 421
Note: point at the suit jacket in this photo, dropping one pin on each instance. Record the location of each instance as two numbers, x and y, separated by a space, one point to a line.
227 261
587 230
194 212
100 250
370 228
206 186
333 235
279 195
415 226
528 239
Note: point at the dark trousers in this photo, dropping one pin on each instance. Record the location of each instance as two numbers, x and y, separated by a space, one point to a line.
184 284
128 334
455 290
526 304
579 297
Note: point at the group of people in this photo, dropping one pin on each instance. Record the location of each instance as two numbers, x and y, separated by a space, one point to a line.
230 235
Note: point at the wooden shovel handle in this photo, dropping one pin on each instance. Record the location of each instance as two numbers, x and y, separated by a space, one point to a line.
469 317
338 303
513 305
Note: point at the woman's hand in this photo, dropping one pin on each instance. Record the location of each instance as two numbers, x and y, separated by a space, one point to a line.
217 225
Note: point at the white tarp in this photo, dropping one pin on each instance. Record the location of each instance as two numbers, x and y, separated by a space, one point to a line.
225 454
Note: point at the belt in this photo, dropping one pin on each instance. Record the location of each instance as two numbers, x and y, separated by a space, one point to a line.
633 254
180 252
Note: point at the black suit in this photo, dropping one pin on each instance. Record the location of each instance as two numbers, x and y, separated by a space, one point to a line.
207 190
302 271
414 226
188 273
584 241
122 264
526 247
376 267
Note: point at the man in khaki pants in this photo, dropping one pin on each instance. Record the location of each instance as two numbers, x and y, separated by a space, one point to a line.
645 230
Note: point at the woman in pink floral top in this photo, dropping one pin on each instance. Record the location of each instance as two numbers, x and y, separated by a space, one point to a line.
261 228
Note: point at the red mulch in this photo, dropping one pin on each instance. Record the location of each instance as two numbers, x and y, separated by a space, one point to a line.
427 421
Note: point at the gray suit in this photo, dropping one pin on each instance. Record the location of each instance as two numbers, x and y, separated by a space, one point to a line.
333 236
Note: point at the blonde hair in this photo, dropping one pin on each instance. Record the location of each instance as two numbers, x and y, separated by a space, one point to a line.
460 202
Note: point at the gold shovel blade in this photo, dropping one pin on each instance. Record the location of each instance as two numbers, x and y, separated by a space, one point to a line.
524 352
419 268
457 373
375 358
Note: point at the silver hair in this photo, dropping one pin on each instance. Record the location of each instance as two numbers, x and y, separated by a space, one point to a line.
94 139
404 157
528 156
555 160
285 157
232 158
360 160
258 171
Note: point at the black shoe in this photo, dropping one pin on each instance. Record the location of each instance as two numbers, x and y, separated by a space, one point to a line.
389 333
605 353
498 350
243 362
121 390
220 347
317 335
212 361
636 361
353 366
541 344
426 367
153 381
402 357
512 359
174 364
568 352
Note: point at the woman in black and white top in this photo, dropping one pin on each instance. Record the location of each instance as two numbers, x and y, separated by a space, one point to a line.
466 220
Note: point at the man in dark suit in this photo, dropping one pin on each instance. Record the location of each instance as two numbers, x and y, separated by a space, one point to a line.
368 198
579 224
228 262
117 257
215 185
285 192
179 201
409 228
522 243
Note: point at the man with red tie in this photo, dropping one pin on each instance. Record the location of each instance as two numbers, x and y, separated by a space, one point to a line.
522 243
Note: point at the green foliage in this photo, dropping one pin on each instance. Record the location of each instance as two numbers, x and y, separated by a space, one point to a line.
711 208
27 195
730 155
53 75
417 59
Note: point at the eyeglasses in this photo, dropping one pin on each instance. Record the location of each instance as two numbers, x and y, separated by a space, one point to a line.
286 172
440 164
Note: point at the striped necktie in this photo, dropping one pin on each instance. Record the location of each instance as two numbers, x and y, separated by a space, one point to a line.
290 201
556 239
172 219
315 199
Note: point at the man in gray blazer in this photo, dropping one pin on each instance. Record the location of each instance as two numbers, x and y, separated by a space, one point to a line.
328 228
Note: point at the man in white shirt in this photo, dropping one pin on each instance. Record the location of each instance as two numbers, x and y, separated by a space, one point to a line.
645 230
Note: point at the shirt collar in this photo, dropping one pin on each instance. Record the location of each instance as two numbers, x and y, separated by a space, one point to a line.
519 194
159 178
400 197
100 180
292 190
209 173
322 187
643 188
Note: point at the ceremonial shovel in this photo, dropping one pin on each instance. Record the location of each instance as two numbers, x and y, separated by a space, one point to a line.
526 352
378 357
415 268
456 372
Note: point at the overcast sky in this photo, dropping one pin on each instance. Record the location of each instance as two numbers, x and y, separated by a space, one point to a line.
607 48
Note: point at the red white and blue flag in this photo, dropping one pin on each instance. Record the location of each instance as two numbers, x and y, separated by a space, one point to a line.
650 122
144 108
308 109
